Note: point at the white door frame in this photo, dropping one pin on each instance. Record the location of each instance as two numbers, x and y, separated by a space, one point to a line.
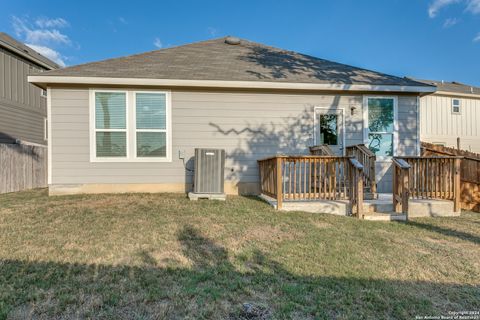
335 109
395 132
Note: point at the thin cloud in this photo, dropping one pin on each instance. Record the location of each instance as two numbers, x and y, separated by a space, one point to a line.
472 6
477 38
38 36
49 53
52 23
122 20
157 43
450 22
213 32
437 5
43 35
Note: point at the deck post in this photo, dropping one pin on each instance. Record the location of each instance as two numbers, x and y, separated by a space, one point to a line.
395 188
359 188
278 182
405 192
456 186
373 183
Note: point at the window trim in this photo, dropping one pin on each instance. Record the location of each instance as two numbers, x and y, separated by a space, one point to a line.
167 129
130 127
394 134
94 130
459 106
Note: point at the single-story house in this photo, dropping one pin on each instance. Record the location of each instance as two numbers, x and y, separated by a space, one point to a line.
451 113
131 124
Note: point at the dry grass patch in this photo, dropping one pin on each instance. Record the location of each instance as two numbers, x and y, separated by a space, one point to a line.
155 256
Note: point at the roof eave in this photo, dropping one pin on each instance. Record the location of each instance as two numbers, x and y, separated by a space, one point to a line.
44 80
29 57
457 94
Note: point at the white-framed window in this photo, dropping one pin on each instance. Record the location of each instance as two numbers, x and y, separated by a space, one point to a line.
43 93
380 120
130 126
456 106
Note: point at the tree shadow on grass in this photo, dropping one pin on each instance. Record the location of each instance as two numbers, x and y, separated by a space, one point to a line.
215 286
446 231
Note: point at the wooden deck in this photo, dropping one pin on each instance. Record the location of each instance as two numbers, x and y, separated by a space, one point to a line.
428 181
307 178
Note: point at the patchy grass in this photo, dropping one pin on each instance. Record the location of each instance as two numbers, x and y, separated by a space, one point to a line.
162 256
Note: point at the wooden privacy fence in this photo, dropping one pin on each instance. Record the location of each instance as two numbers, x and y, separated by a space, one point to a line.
367 158
304 178
469 173
22 167
426 178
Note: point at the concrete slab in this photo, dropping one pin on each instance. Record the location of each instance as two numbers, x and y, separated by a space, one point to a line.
380 209
431 208
377 216
210 196
337 207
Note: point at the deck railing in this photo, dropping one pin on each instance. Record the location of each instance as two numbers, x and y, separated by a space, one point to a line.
426 178
367 158
469 173
306 178
321 150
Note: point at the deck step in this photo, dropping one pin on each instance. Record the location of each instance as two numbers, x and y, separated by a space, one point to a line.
384 216
377 206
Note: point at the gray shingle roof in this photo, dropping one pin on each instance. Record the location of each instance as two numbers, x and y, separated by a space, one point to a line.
28 53
217 60
454 87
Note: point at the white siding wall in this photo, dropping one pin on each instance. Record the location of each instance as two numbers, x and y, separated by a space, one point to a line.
249 125
439 125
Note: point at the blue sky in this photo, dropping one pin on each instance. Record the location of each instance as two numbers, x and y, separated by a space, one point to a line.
437 39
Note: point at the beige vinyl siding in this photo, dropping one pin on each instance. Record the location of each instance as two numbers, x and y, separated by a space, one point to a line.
22 109
249 125
439 125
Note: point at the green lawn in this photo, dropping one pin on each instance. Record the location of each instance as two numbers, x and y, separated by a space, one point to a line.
142 256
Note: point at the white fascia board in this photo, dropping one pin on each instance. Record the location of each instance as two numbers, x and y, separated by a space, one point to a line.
457 94
37 79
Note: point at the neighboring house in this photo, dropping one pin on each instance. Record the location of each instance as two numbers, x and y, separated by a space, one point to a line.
452 112
23 107
124 124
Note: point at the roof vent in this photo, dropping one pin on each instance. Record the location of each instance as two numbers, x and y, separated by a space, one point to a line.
232 40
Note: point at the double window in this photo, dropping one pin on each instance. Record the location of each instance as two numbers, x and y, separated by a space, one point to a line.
381 125
130 126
